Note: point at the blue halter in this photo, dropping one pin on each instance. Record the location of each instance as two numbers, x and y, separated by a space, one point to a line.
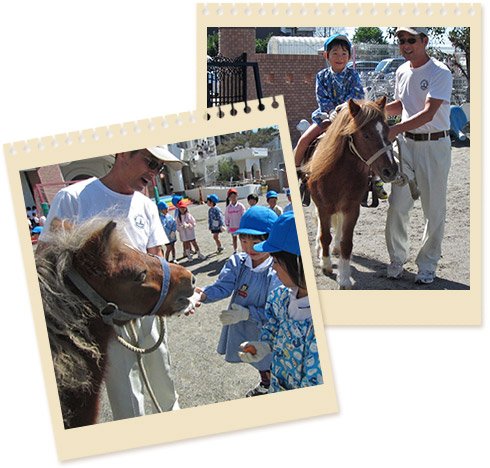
110 311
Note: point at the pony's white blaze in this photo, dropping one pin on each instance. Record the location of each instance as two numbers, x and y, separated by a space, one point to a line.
379 127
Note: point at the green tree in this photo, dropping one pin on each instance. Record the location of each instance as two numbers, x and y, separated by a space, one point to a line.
248 138
213 42
227 170
369 36
261 44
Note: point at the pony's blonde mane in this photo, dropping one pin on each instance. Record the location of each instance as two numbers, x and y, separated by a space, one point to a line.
67 315
332 145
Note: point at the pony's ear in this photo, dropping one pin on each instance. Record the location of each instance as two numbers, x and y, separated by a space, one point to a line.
354 108
58 224
97 248
381 102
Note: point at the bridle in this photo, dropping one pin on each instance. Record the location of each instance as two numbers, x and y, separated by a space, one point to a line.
109 311
373 158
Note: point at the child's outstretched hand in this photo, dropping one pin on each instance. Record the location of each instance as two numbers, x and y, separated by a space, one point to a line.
254 351
235 314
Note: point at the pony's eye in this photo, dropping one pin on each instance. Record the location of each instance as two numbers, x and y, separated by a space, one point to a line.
140 278
366 136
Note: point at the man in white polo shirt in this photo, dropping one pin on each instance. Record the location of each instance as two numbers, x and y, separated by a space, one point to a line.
120 193
422 97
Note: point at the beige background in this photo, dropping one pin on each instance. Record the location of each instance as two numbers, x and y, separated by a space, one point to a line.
394 307
408 396
190 422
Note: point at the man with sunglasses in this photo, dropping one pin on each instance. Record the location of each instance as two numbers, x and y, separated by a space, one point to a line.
422 97
119 194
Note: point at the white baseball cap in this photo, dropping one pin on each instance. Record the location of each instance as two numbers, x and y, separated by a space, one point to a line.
413 31
163 154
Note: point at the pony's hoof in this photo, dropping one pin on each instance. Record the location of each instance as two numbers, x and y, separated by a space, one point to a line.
346 287
327 266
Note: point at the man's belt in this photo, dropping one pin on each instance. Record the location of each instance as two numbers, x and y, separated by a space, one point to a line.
427 136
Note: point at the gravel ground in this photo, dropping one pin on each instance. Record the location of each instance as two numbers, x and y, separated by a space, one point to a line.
370 256
201 375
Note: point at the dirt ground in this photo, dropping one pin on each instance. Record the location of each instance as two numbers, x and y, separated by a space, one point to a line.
201 375
370 256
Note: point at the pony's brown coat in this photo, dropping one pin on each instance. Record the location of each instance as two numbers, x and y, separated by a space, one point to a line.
77 335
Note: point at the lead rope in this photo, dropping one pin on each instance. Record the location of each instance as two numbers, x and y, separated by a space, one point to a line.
131 329
403 178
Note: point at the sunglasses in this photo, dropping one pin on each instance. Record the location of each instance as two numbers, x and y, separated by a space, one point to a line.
410 40
153 165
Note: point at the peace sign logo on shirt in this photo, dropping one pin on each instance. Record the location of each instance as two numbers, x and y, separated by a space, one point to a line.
424 84
139 221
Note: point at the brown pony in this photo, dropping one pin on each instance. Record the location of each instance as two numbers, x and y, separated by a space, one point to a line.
127 282
355 143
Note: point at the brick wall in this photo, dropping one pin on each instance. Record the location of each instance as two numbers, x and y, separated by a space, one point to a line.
290 75
48 175
294 77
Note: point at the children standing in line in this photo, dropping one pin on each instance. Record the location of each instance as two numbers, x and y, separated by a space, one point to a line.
288 334
233 214
185 225
216 220
272 202
252 199
170 228
247 277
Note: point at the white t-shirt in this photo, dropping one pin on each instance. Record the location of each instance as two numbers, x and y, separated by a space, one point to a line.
91 197
414 85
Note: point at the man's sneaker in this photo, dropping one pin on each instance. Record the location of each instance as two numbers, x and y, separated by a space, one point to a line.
394 270
220 249
201 256
258 390
380 190
425 277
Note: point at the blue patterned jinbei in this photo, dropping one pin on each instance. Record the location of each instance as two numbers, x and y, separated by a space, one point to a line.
295 360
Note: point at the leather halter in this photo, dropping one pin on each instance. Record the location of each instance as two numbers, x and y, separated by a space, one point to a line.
373 158
109 311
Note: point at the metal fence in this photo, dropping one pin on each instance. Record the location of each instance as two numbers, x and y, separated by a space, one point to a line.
227 80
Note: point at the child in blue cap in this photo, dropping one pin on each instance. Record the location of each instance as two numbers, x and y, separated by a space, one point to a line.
216 220
272 202
289 206
287 334
247 277
335 85
170 228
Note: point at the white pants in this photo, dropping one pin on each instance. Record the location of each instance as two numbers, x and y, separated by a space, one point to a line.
428 162
124 384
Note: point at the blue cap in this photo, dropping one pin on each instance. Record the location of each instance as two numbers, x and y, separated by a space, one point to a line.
162 205
176 199
271 194
336 36
37 229
288 192
283 236
257 220
214 198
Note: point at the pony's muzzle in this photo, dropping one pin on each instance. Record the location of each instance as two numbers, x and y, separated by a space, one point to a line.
389 174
